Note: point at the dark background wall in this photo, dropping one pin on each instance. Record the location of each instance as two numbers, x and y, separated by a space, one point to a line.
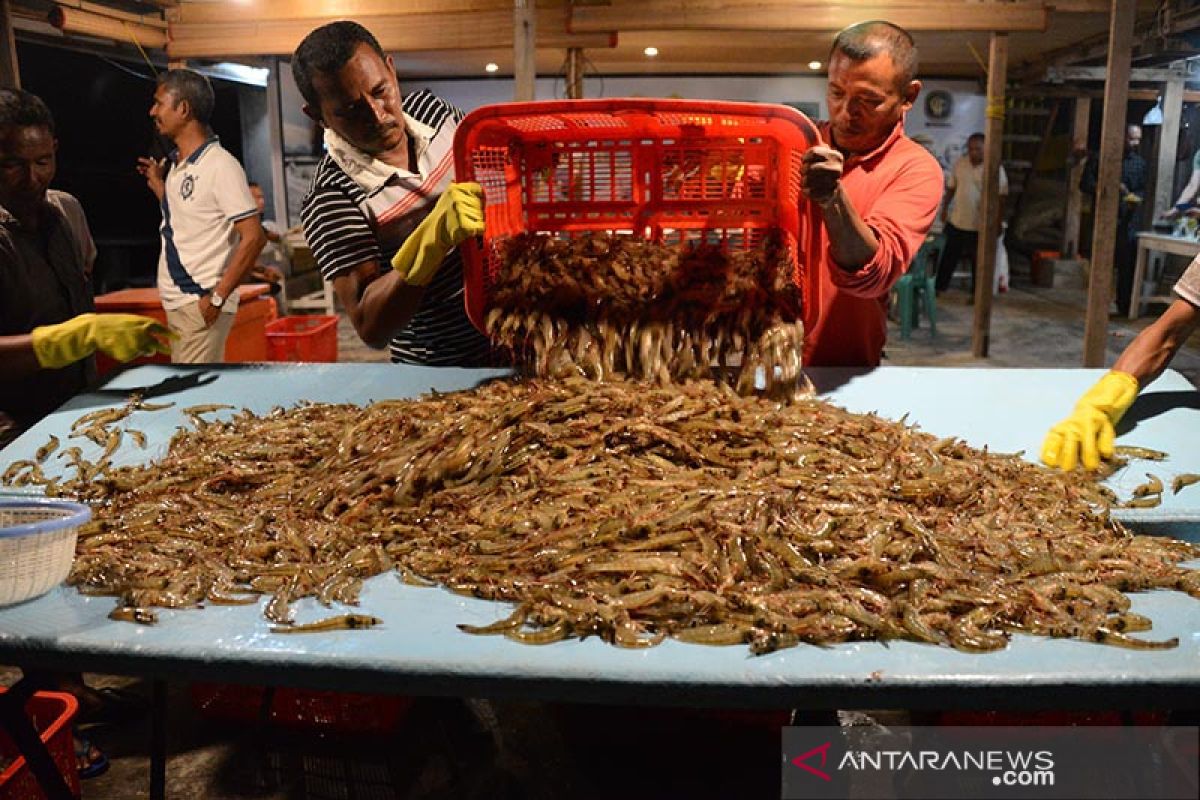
100 108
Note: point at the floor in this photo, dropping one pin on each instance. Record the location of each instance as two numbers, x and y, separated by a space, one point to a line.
451 748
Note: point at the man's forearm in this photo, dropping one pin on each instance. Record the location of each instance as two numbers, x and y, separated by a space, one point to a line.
1151 350
385 307
17 358
851 240
244 257
1189 192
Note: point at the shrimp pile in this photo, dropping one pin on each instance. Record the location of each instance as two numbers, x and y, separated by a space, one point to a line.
605 305
631 512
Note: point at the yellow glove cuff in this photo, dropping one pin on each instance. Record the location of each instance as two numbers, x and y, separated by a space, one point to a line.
1113 394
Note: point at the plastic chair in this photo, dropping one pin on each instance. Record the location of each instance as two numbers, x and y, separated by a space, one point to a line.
916 289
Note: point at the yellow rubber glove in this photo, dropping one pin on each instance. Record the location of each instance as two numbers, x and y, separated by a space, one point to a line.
121 336
1088 434
457 215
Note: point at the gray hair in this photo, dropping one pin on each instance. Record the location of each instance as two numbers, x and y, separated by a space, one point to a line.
193 88
865 40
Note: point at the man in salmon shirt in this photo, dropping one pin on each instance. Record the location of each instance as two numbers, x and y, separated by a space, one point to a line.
874 194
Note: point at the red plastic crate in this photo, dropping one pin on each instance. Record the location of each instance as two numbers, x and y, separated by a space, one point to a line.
341 712
302 338
666 170
247 340
51 713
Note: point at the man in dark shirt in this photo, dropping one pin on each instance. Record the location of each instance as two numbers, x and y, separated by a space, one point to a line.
47 330
1133 191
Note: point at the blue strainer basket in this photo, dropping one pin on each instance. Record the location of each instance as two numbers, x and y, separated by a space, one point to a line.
37 545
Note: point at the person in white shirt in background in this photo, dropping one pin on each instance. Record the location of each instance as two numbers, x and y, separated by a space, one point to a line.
961 211
211 235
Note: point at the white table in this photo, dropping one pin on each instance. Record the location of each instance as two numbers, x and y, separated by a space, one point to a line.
1160 243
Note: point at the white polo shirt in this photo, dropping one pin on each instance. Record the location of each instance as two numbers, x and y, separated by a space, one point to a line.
966 182
204 195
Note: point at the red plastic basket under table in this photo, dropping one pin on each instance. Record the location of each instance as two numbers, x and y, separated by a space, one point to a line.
51 713
302 338
669 171
302 709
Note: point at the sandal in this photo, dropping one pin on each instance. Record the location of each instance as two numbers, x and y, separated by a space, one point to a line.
89 759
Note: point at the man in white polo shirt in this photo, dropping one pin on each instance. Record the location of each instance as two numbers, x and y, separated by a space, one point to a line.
961 211
211 235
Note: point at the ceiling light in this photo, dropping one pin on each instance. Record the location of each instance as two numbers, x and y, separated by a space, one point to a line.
491 66
651 51
814 65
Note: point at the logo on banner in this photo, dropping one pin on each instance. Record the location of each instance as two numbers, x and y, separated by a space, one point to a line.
802 759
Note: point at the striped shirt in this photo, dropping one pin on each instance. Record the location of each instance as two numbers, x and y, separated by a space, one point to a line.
345 227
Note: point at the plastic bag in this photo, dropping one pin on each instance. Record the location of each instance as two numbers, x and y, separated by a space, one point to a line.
1000 275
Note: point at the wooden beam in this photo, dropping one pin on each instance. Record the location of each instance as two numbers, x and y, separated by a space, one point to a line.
574 73
1108 183
1079 140
1189 95
1100 74
154 20
524 51
87 23
10 71
1168 143
275 10
1148 28
1078 6
989 216
414 32
808 15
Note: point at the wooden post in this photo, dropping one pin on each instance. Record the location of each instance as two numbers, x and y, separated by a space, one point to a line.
1168 140
1108 182
10 72
574 73
989 211
1079 140
524 50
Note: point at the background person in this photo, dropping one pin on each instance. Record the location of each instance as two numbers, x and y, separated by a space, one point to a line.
1133 190
961 211
210 231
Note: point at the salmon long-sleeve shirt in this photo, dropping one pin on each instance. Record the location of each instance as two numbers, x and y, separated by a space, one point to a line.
896 189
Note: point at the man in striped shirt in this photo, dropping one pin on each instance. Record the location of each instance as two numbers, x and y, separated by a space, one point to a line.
385 189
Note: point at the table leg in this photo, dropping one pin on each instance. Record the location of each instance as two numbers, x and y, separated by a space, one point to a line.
158 742
25 736
1139 273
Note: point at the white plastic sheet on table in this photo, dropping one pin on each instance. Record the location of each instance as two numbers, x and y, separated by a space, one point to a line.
420 650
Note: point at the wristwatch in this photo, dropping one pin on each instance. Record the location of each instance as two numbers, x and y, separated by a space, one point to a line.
215 300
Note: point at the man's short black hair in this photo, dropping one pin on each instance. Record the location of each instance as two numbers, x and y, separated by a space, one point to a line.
326 50
976 136
865 40
24 110
189 85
